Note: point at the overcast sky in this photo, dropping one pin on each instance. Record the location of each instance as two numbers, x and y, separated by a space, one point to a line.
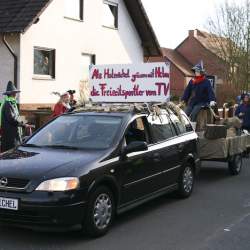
171 19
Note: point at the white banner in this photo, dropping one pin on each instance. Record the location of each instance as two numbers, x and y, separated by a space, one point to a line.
145 82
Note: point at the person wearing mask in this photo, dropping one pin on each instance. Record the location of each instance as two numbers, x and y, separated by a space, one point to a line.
198 93
243 112
11 124
72 101
62 105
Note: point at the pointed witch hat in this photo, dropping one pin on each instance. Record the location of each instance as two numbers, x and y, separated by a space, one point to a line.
11 88
199 67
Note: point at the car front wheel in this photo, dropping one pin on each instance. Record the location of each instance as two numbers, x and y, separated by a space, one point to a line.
186 181
100 212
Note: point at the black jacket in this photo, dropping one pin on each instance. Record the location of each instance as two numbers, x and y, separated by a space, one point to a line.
11 126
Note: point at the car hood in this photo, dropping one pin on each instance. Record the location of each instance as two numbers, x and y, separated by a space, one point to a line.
35 163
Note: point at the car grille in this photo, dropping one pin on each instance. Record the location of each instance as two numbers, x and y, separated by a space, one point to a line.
12 183
28 216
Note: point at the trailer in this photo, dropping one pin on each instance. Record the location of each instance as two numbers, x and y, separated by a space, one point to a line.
230 150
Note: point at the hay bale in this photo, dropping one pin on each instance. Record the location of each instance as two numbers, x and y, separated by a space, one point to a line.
232 122
213 131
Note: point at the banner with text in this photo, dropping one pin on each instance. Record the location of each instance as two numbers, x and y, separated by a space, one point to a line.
145 82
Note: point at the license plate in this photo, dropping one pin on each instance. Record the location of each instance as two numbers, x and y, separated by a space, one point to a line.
7 203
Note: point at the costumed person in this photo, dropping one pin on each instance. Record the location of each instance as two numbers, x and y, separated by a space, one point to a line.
72 101
198 93
243 112
62 105
11 124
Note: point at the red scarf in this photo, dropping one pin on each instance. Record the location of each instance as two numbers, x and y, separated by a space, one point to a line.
198 79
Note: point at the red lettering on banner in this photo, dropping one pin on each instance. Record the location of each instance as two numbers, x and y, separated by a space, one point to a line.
162 88
110 73
151 93
159 72
94 92
103 87
109 91
96 74
106 73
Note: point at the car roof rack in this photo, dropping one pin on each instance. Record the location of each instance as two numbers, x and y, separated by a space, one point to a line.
114 107
140 108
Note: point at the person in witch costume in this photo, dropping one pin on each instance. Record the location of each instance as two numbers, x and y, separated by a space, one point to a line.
198 92
11 124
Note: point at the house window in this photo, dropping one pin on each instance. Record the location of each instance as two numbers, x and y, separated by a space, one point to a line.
86 61
73 9
44 62
110 14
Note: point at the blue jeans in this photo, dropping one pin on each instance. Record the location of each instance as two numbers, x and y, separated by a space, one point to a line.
192 111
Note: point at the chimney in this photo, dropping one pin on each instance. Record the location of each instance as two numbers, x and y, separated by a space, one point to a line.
193 33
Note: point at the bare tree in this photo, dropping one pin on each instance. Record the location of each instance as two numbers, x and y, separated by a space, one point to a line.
230 39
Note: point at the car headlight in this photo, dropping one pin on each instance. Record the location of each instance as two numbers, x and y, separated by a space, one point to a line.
59 184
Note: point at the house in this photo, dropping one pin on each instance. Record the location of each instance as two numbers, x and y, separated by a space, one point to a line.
197 46
200 45
180 70
48 45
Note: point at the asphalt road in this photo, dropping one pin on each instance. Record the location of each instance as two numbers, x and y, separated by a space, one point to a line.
215 217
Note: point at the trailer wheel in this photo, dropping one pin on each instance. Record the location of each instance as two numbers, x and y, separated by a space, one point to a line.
235 164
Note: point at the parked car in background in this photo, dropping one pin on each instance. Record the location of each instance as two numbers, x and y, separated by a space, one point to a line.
83 168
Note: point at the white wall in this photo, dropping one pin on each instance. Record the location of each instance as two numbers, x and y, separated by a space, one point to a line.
7 60
70 38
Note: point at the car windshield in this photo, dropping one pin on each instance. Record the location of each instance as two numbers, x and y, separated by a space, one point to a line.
78 132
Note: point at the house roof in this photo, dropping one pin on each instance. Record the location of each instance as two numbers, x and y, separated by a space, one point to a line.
19 15
178 60
211 42
142 24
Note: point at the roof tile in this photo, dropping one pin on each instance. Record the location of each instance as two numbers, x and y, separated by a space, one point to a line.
17 15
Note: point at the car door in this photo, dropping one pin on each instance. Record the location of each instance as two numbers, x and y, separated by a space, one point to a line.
166 148
139 176
181 129
187 138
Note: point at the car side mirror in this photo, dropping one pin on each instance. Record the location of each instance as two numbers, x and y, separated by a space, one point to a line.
135 146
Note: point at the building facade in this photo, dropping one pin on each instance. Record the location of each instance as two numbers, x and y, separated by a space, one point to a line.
54 43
